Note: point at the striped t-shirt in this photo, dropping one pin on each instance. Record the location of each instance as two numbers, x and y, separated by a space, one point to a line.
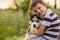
52 23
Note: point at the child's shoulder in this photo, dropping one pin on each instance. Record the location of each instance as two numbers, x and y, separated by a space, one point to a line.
50 14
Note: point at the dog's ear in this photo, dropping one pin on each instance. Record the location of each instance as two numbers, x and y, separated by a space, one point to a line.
39 16
30 14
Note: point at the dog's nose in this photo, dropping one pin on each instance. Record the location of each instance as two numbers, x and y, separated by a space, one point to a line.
34 26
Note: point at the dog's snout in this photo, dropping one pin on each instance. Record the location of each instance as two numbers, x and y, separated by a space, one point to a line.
34 25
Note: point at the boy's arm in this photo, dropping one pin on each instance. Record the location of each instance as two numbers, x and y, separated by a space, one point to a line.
40 30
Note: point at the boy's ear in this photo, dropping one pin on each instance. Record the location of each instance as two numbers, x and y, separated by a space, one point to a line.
30 14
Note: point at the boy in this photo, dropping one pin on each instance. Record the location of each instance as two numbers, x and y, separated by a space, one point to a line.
50 25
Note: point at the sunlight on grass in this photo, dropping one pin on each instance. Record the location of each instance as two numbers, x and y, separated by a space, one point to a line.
15 38
12 23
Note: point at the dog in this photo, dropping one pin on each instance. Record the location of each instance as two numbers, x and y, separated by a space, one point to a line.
34 22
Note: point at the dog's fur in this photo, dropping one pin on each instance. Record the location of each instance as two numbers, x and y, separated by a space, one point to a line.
34 22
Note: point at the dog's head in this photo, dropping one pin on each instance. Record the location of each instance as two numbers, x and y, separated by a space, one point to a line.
35 20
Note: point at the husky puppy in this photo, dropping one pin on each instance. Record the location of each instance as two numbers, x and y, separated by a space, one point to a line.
34 22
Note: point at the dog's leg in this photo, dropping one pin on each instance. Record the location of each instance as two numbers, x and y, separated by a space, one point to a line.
28 33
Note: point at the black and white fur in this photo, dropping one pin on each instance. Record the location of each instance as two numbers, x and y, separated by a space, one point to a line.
34 22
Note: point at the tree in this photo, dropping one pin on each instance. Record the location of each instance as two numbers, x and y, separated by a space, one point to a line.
55 5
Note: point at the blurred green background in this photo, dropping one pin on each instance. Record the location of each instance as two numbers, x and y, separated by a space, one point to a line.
14 22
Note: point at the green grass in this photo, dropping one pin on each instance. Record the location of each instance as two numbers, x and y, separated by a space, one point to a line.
15 38
57 11
12 23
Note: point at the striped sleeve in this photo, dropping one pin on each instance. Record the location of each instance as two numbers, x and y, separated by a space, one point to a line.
49 19
53 29
45 22
52 23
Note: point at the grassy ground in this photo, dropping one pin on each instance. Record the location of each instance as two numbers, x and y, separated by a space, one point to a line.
12 23
15 38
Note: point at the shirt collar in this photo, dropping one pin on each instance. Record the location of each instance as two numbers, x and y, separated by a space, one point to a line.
48 11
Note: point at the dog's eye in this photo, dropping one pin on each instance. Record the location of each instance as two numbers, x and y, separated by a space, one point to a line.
32 20
37 21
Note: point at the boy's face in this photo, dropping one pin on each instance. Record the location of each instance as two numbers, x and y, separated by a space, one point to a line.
39 8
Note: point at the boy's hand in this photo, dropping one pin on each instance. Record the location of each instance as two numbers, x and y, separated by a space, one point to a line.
34 33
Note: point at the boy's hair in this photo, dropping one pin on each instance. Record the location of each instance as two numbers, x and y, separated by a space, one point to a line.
34 2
